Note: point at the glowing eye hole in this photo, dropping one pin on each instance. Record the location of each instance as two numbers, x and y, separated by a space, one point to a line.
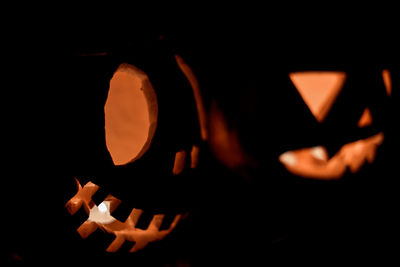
131 111
102 208
366 119
318 89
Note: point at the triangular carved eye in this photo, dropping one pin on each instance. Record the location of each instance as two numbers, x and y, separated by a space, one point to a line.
131 112
319 89
366 119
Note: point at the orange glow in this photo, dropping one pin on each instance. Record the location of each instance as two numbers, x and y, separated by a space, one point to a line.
305 162
122 230
387 80
366 119
194 157
87 228
141 237
318 89
101 213
131 112
201 112
179 163
224 142
82 198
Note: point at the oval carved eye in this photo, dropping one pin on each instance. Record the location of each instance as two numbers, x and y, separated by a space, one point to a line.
131 112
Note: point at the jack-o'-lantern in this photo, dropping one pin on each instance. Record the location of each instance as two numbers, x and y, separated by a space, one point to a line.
265 125
331 96
310 134
135 189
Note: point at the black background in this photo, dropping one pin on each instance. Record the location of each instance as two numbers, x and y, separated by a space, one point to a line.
53 132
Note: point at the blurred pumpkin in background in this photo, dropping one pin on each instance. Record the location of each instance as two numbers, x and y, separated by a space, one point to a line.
307 123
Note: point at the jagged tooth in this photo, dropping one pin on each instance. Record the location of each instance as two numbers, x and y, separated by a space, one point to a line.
88 190
288 158
156 222
179 163
140 244
73 205
126 230
78 185
175 221
133 249
114 202
87 228
133 218
122 212
116 244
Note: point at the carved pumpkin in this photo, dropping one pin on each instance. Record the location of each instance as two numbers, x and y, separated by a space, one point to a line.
327 114
238 137
310 134
154 124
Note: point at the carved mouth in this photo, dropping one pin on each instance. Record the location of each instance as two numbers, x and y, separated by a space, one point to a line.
314 162
319 91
